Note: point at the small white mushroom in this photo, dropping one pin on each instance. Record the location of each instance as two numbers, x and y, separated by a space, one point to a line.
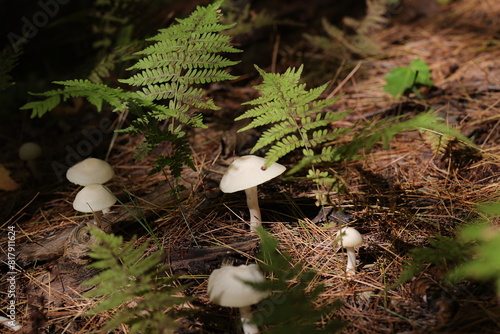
227 287
94 198
349 237
29 152
90 171
246 173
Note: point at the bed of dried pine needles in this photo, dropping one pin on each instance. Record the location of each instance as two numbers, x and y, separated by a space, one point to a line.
397 198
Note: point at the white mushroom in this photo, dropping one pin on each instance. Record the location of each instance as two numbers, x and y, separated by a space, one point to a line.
29 152
90 171
227 287
94 198
349 238
246 173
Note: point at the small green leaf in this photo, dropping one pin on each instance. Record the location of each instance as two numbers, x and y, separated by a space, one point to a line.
402 79
423 72
399 80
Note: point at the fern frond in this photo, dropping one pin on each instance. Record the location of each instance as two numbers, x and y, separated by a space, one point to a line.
283 147
437 141
426 121
131 285
103 68
40 108
264 116
8 61
246 20
322 119
151 76
321 136
96 93
374 20
277 131
383 131
182 56
295 115
194 76
190 61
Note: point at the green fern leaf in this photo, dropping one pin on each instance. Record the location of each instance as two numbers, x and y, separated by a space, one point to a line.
132 286
40 108
277 131
322 120
95 93
283 147
185 54
427 121
295 116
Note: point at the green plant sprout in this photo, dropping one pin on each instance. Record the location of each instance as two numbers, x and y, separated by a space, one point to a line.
133 287
401 80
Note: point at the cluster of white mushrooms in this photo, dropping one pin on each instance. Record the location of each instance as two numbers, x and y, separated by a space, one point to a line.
228 286
92 173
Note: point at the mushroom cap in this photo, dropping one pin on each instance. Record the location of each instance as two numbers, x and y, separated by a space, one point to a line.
247 172
94 197
349 237
227 287
29 151
90 171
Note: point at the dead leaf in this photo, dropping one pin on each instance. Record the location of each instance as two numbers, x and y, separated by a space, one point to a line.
6 182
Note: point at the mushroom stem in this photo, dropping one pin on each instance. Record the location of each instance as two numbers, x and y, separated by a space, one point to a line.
253 207
351 261
246 321
34 169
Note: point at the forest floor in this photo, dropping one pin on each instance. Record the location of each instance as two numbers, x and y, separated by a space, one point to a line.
397 197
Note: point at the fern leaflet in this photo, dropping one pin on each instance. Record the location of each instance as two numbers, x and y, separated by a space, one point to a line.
295 115
132 286
96 93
